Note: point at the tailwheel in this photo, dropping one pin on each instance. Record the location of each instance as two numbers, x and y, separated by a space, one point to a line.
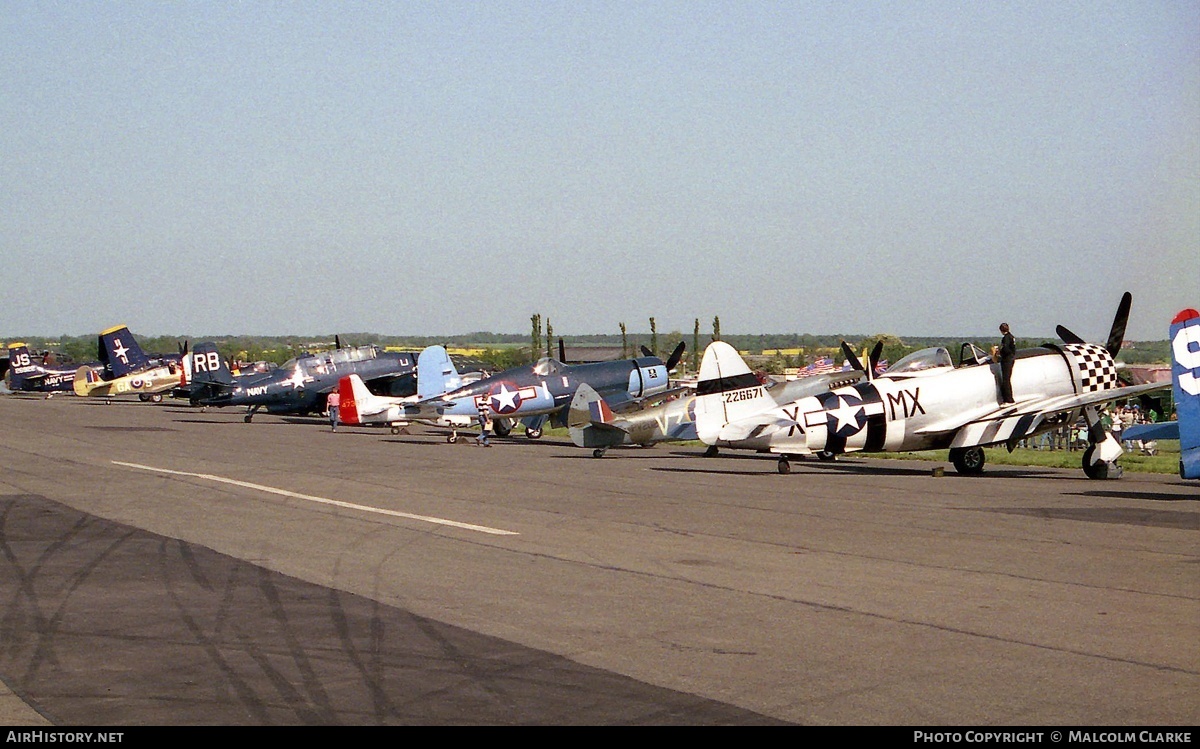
599 452
452 438
967 460
395 430
247 418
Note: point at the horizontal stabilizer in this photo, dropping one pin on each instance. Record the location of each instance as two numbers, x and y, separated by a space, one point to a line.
590 420
1167 430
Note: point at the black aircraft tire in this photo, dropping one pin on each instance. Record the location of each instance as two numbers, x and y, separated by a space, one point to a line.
143 398
785 466
598 452
712 451
967 460
533 434
452 438
247 418
502 427
156 398
1097 472
826 455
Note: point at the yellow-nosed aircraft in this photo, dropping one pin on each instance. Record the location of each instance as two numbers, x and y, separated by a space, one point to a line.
129 370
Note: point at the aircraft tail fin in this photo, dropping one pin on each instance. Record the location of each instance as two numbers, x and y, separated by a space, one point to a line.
1185 367
352 392
436 373
120 351
591 421
86 380
20 367
207 366
726 391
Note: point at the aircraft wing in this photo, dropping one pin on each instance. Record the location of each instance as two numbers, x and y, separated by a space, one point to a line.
622 402
1164 430
1012 422
426 409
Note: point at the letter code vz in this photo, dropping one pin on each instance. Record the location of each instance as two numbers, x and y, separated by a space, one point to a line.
743 395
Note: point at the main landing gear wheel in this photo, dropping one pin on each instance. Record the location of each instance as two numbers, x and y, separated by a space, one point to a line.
143 397
247 418
785 465
712 451
502 427
826 455
1099 471
967 460
533 433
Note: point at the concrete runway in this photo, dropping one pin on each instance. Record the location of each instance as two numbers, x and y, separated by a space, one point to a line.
163 566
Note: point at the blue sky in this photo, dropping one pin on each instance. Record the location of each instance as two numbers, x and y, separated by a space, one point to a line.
926 168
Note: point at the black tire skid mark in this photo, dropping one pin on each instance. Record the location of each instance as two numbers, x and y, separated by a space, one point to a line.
242 691
372 673
47 625
311 705
318 709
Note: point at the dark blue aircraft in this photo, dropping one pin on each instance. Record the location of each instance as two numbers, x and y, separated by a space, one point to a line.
300 385
30 373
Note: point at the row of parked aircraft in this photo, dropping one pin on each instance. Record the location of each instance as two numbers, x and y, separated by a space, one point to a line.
924 401
122 368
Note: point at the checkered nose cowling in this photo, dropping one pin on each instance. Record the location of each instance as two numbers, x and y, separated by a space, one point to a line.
1094 368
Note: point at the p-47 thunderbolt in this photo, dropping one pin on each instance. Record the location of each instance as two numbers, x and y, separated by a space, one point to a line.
540 392
129 370
594 424
298 386
1185 381
925 401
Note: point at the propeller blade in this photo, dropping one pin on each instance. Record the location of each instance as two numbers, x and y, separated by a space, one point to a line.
562 351
873 360
850 357
646 351
1068 336
676 356
1117 333
337 341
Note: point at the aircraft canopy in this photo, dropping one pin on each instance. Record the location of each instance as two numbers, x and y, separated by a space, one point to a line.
936 357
